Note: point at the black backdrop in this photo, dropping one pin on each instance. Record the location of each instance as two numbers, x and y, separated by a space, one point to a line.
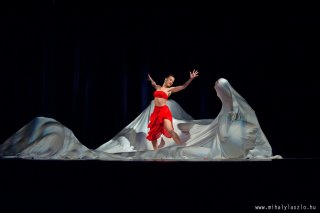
86 66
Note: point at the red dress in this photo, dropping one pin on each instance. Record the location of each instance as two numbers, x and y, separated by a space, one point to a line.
156 125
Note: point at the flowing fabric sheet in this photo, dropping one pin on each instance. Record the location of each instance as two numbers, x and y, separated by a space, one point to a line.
234 134
46 138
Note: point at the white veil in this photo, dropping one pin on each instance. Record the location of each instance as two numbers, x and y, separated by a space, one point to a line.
234 134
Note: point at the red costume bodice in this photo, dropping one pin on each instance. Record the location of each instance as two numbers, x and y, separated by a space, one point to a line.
160 94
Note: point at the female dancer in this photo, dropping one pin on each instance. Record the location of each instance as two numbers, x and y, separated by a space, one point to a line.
161 117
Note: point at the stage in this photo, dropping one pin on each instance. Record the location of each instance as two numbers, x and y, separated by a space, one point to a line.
167 186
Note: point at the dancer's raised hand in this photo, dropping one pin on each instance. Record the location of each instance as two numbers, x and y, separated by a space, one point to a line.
194 74
149 78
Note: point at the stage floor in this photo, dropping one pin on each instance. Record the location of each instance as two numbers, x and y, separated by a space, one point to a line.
148 186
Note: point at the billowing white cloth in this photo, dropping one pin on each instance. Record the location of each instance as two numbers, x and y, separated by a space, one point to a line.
234 134
46 138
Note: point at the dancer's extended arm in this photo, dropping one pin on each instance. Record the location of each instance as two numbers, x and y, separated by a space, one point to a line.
153 83
193 74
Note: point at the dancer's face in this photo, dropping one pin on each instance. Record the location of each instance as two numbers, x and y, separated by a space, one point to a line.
169 81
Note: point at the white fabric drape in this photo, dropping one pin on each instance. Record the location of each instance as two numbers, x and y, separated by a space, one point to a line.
234 134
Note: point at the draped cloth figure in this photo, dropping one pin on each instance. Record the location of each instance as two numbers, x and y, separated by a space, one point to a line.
234 134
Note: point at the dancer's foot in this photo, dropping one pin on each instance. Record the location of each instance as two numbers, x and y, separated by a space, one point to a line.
183 144
162 144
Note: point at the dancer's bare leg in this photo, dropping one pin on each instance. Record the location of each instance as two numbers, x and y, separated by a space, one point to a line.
175 136
155 145
162 143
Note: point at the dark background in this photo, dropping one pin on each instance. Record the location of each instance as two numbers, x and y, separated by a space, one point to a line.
86 66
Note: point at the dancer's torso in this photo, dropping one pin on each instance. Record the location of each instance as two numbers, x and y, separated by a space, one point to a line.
160 97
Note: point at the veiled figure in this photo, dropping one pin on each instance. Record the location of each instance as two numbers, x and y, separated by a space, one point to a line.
239 133
235 133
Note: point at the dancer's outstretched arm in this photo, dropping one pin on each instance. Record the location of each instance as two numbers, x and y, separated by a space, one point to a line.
193 74
153 83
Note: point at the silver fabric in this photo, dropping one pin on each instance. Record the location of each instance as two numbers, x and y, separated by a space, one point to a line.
234 134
